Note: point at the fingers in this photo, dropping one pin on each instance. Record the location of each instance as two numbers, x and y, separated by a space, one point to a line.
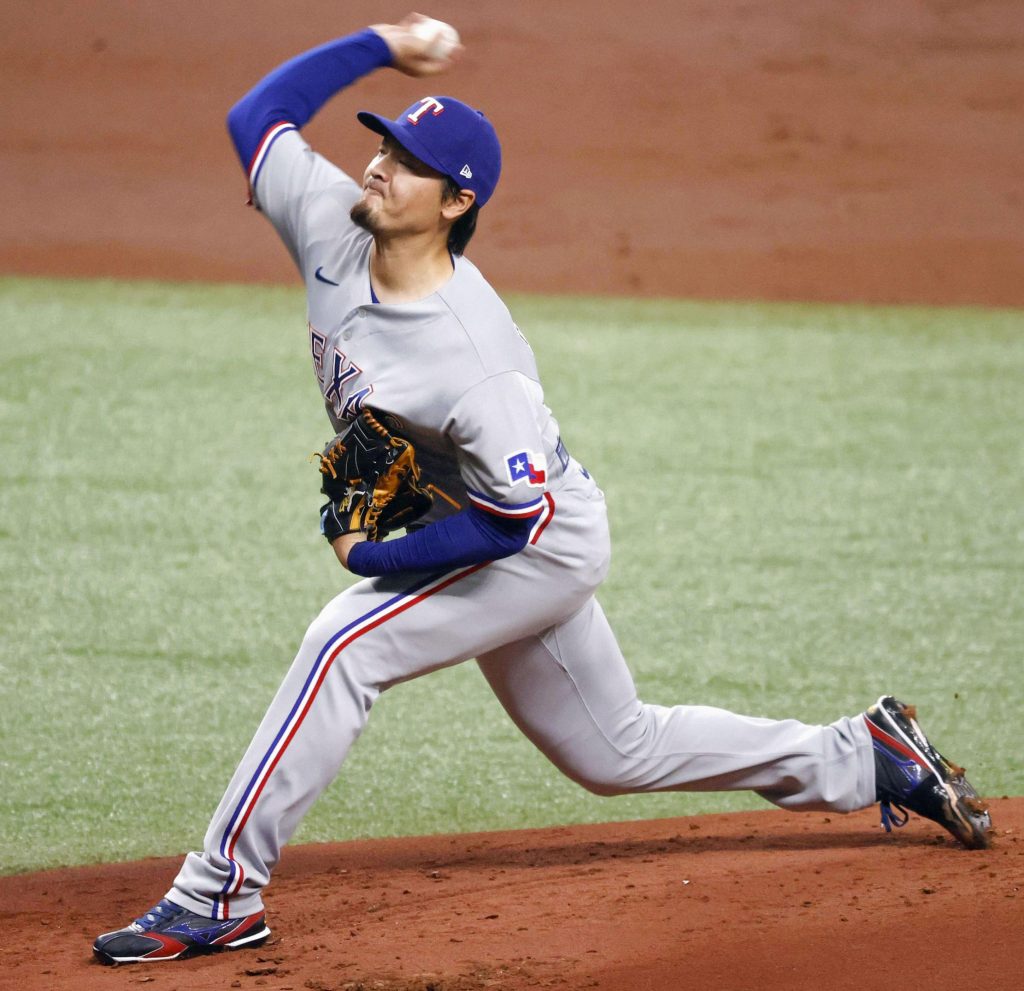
410 52
413 17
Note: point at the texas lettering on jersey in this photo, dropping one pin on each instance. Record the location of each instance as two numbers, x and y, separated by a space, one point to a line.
336 375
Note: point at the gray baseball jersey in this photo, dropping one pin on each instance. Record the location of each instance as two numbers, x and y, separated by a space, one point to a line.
461 379
453 369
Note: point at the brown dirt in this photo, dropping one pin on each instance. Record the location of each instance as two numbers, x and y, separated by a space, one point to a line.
759 900
773 150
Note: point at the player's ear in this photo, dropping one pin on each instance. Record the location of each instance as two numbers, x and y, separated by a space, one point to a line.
455 205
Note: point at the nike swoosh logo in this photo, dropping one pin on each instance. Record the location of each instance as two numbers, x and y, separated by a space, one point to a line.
323 278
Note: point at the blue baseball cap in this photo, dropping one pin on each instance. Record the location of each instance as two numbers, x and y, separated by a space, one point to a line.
449 136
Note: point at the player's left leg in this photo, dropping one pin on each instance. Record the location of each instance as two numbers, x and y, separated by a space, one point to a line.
570 691
375 634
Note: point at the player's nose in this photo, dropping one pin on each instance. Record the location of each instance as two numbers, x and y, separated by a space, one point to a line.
375 180
380 170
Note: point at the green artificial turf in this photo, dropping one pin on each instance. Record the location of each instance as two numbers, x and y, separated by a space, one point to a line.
810 505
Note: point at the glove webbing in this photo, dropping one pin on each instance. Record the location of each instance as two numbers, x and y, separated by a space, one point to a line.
328 461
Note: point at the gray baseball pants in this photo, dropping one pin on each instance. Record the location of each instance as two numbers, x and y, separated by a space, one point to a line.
550 657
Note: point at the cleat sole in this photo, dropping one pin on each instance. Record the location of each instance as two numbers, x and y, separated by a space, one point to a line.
246 942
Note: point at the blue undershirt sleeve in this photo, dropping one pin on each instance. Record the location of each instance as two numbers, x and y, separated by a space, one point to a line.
469 537
295 91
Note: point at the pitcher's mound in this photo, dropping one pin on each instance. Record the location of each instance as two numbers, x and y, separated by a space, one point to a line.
756 900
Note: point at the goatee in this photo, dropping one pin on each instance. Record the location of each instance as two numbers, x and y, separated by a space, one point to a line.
361 216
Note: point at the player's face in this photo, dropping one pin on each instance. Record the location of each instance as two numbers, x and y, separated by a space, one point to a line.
401 195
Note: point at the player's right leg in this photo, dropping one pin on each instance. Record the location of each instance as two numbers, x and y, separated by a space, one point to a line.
570 691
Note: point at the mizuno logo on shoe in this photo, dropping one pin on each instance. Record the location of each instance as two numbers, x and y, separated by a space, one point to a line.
201 927
323 278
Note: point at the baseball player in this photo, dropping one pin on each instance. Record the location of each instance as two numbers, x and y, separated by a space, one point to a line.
503 568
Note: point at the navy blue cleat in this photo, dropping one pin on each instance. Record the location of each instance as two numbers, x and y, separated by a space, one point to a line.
170 932
911 774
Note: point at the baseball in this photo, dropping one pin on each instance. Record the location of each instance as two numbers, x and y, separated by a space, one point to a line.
442 39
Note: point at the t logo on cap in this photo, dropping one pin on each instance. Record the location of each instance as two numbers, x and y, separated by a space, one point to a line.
427 103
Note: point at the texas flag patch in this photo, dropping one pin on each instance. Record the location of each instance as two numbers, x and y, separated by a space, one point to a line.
522 467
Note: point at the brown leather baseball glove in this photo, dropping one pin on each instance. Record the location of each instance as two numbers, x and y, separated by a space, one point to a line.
371 480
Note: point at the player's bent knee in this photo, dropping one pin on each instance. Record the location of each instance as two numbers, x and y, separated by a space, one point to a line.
605 782
604 789
619 774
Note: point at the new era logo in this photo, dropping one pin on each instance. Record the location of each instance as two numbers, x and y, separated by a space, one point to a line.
466 171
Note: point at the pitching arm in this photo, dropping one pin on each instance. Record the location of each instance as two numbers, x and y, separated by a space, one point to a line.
295 91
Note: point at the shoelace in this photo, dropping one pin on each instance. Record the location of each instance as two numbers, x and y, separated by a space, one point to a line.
157 914
890 818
